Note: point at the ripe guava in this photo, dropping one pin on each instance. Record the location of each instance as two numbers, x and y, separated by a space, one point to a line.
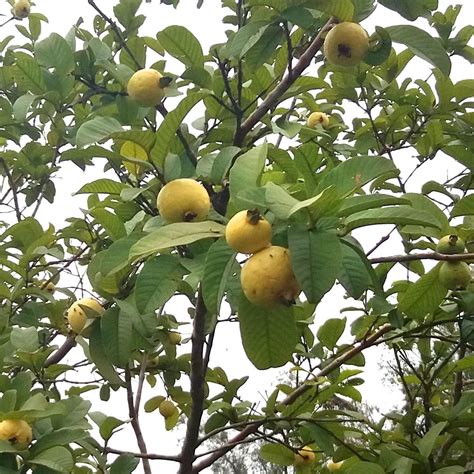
305 456
183 200
17 432
248 232
21 9
167 408
267 277
316 118
346 44
144 87
78 313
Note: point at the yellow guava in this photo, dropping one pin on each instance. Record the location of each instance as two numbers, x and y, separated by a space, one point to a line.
183 200
346 44
450 244
17 432
167 408
305 456
248 232
21 9
455 275
80 311
316 118
267 278
334 466
144 88
174 338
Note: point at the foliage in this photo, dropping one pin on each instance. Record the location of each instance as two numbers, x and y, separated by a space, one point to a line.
235 120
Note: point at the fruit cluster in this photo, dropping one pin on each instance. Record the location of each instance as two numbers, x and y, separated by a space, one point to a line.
454 275
267 277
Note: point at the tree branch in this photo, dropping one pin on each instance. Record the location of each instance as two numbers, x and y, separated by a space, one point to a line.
59 355
424 256
368 342
162 457
197 388
273 98
133 414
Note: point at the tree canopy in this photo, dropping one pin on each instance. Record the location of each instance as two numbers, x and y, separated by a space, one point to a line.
328 139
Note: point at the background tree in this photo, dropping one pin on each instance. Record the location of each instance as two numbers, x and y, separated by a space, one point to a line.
364 163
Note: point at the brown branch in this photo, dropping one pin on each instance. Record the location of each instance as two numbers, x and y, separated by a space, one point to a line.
273 98
117 32
59 355
13 188
368 342
162 457
133 414
197 388
424 256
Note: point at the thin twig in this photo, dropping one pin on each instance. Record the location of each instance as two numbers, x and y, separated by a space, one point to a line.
424 256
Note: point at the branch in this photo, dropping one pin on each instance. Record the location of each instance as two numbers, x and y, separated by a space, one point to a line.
197 388
273 98
59 355
133 414
424 256
162 457
370 341
13 188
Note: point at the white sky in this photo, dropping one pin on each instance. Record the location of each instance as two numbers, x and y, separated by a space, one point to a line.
206 25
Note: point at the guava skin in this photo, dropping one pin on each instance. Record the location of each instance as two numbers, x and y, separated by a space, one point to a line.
144 88
316 118
334 466
17 432
174 338
450 244
167 408
346 44
305 456
248 232
76 315
267 278
455 275
183 200
21 9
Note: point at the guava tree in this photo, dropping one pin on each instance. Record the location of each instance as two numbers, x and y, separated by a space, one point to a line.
103 294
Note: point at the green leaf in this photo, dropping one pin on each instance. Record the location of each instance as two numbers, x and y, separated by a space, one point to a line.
244 39
22 106
343 10
353 276
95 130
427 443
246 172
424 296
316 258
409 9
29 75
363 9
114 227
102 186
220 264
108 426
277 454
354 173
269 336
330 332
124 464
422 44
58 459
398 215
58 437
166 133
363 467
116 257
156 283
180 43
464 207
265 47
173 235
99 358
116 331
55 52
